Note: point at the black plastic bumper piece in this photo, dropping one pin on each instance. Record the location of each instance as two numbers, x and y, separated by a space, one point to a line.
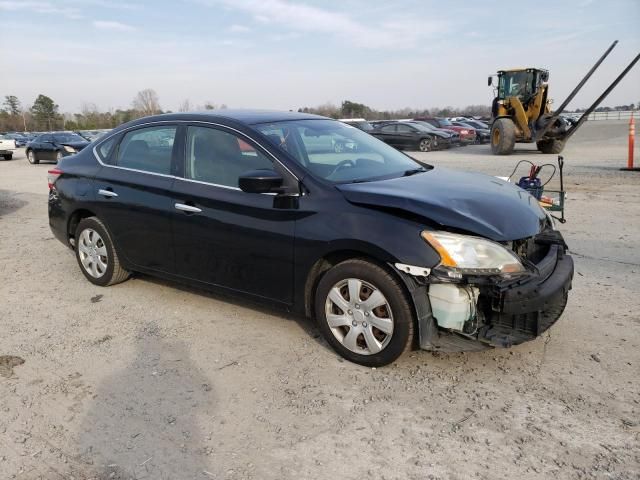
526 311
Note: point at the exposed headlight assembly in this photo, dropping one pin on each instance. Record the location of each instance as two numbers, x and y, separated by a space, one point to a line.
69 149
467 255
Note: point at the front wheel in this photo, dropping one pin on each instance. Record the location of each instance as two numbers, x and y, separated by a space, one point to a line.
424 145
97 255
364 313
503 136
8 156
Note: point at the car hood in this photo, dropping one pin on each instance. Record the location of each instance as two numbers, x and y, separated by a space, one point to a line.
480 204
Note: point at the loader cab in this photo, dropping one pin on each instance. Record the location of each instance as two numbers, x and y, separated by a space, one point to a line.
522 83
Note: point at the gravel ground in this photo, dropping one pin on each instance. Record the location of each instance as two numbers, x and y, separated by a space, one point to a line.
153 380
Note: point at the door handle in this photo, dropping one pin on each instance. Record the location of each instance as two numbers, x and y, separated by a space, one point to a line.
187 208
107 193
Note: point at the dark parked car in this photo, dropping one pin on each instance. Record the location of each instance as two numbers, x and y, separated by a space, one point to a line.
442 138
405 136
360 123
381 250
54 146
467 136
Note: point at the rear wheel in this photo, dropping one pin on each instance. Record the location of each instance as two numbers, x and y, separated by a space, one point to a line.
31 157
550 146
364 313
425 144
503 136
97 255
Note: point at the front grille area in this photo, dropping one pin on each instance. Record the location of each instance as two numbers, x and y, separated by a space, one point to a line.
528 249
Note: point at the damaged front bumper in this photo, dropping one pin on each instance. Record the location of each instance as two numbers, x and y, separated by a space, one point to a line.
502 312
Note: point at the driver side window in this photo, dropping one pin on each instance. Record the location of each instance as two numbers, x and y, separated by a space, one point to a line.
219 157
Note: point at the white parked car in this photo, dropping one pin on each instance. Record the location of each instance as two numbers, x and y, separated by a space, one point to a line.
7 146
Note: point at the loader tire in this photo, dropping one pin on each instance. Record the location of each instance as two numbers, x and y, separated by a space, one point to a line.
550 146
503 136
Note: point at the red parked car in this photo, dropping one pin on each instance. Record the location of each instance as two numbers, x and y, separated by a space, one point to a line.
467 135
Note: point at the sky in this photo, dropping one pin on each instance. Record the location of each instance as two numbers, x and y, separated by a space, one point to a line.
286 54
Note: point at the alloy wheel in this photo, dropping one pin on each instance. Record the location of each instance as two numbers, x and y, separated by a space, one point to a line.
31 157
425 145
359 316
93 253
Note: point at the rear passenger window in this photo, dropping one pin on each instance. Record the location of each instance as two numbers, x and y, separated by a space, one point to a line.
104 150
147 149
218 157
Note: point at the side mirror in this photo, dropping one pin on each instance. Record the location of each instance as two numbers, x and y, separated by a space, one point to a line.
489 81
260 181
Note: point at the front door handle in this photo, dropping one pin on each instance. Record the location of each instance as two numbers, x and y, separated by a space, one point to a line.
187 208
107 193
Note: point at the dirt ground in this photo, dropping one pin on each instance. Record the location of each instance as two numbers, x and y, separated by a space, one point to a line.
153 380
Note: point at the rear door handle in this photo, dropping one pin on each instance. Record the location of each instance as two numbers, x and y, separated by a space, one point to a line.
107 193
187 208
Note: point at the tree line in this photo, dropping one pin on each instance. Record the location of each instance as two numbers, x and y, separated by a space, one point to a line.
44 114
349 109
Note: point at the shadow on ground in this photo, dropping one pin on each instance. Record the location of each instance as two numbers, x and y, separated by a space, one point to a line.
244 301
143 422
9 203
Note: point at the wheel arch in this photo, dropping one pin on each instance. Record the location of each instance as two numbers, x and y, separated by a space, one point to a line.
75 218
323 264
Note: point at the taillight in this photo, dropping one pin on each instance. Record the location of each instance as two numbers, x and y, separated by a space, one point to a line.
52 176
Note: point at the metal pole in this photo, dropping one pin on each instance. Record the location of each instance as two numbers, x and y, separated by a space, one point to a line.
560 109
595 104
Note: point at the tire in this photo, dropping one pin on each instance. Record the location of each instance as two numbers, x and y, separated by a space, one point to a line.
424 145
31 157
550 146
59 156
97 256
503 136
9 156
367 345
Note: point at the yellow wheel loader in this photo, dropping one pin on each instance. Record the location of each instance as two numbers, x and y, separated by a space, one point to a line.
521 111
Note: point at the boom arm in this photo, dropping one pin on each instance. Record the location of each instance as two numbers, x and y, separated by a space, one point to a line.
549 121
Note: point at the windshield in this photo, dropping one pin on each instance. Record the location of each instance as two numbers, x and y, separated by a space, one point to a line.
515 84
68 137
337 152
445 122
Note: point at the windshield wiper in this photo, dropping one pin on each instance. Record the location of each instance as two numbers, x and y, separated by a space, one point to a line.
413 171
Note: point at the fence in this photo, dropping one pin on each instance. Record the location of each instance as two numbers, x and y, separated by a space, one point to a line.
612 115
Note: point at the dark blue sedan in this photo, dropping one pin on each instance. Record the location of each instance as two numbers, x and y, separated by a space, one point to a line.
384 252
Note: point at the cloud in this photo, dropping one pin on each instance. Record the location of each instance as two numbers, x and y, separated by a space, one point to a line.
39 7
239 29
110 25
404 32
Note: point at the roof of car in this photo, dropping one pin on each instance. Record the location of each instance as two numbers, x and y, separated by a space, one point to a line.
248 116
